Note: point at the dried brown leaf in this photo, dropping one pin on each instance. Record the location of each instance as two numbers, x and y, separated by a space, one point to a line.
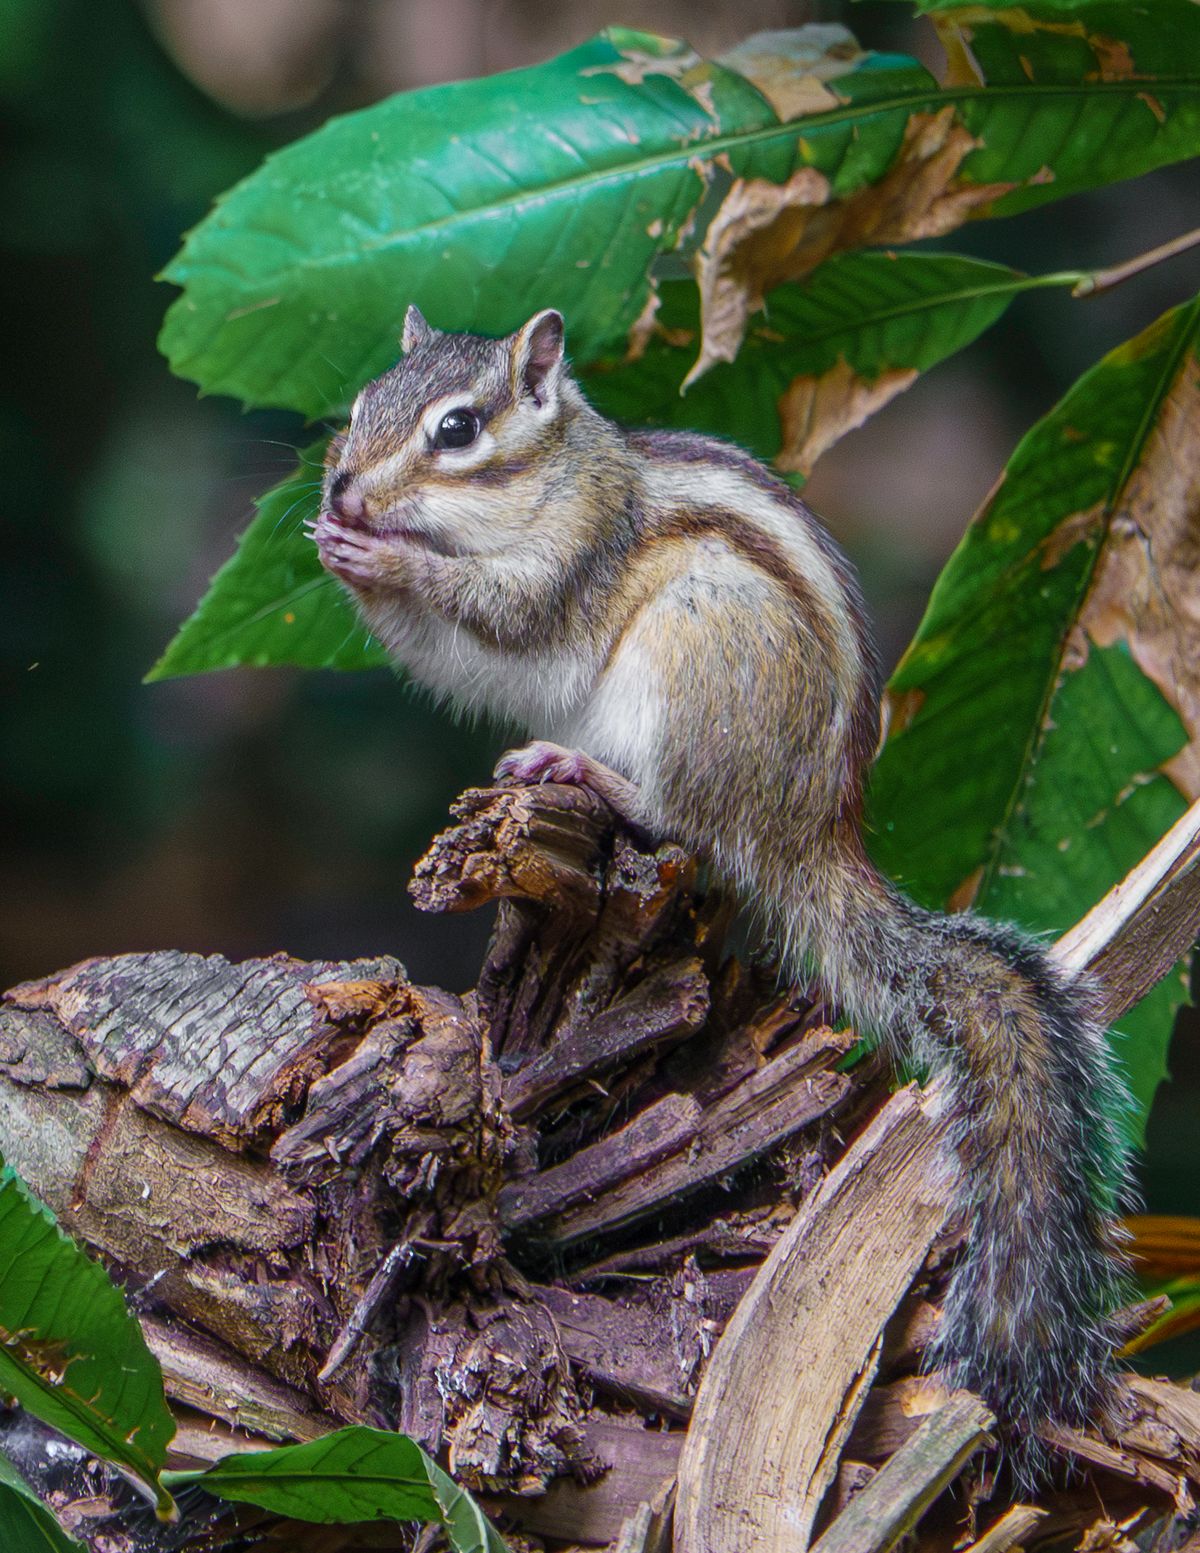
1164 1245
766 233
794 70
816 410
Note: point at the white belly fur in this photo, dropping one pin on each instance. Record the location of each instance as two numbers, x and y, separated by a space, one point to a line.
615 711
534 690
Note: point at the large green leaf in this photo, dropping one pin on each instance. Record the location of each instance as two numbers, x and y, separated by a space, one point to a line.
353 1474
26 1524
578 182
1054 676
70 1352
271 602
1136 73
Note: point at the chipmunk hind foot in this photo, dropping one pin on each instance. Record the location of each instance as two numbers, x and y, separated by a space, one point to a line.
543 761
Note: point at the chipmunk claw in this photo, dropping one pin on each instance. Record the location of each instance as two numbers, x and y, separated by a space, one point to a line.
349 553
542 761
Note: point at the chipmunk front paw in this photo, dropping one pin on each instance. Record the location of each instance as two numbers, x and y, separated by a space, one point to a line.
355 555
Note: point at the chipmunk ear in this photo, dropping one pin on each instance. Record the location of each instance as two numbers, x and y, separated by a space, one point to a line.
538 356
416 330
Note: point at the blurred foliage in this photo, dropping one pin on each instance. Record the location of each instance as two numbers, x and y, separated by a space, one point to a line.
136 816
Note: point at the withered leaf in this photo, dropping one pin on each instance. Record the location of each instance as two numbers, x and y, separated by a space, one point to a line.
766 233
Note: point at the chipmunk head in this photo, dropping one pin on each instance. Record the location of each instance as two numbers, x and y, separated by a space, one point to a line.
444 447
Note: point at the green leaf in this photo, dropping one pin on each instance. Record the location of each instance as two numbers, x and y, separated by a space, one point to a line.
1045 720
271 602
856 333
482 201
26 1524
70 1352
353 1474
1107 83
581 182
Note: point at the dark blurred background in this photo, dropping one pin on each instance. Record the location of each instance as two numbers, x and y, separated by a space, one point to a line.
258 810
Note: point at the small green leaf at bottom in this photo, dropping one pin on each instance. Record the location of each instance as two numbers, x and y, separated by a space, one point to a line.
26 1524
353 1474
70 1352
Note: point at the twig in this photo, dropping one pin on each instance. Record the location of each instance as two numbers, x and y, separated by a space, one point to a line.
899 1494
373 1296
649 1529
1132 938
1104 280
1010 1530
752 1477
669 1004
781 1098
1122 1463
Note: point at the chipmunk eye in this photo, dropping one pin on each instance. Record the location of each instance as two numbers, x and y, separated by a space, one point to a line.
457 429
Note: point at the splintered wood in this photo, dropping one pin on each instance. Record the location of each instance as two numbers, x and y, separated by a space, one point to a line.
615 1221
845 1237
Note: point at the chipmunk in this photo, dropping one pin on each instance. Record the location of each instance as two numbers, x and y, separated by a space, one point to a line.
684 637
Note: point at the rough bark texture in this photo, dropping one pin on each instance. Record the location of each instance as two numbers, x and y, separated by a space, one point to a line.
515 1224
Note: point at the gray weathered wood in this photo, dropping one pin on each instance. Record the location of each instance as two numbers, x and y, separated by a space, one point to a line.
901 1491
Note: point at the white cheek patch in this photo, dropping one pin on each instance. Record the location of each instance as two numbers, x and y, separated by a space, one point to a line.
464 513
475 453
523 423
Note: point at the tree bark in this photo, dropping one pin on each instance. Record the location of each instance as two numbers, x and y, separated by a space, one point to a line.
515 1224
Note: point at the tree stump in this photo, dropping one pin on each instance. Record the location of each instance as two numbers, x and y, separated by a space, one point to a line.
515 1224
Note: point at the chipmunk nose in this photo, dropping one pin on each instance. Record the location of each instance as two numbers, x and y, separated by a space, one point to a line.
346 499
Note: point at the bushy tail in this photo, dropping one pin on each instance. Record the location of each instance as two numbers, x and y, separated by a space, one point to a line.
1039 1107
